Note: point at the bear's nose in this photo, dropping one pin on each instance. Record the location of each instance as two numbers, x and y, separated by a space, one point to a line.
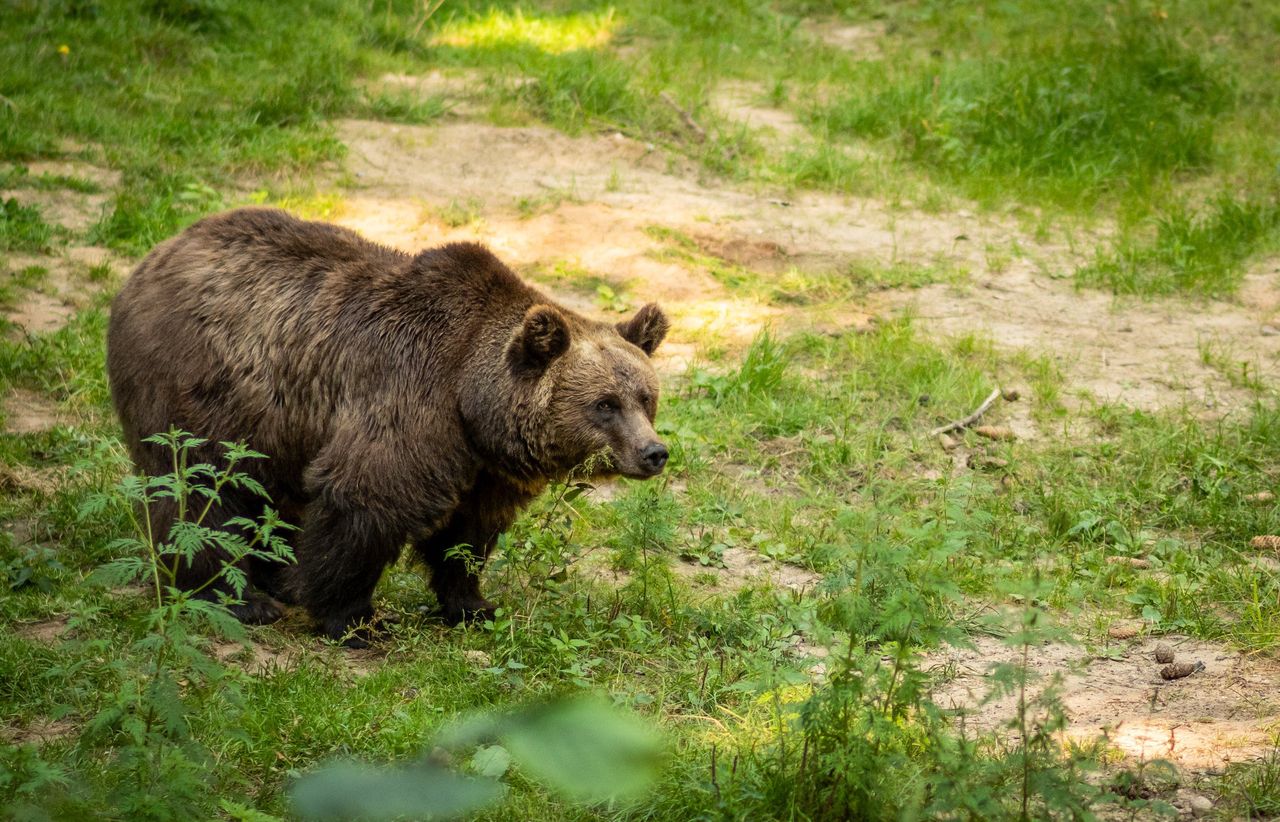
654 456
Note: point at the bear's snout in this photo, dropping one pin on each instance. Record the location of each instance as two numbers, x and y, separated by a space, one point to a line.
653 457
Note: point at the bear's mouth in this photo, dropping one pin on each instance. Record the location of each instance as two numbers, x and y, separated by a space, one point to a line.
640 474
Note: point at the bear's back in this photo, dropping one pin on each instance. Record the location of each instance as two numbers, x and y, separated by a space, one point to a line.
256 325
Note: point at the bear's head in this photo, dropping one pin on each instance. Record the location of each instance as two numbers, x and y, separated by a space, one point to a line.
590 390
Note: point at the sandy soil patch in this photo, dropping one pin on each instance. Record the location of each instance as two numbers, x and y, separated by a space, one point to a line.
46 631
75 210
40 313
105 178
600 192
1146 355
862 40
39 731
25 478
458 90
26 412
1228 712
744 103
743 568
254 658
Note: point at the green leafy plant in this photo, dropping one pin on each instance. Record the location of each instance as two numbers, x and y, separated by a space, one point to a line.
32 566
158 768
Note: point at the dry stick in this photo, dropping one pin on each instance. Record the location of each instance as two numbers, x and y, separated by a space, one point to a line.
969 420
685 116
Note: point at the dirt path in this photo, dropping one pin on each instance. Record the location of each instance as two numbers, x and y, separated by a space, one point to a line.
599 193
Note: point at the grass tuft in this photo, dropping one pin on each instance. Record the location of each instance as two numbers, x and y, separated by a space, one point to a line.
1201 254
22 229
1103 104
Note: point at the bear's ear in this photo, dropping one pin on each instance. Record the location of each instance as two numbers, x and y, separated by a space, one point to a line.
543 336
646 329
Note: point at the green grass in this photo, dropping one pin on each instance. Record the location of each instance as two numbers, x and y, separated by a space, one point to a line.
1200 254
178 96
22 228
809 449
1109 100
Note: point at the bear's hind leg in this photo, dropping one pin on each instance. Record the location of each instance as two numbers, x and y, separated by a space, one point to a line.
455 575
341 557
457 552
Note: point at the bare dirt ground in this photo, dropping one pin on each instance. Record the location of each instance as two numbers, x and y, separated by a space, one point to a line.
66 287
26 412
46 631
602 191
1228 712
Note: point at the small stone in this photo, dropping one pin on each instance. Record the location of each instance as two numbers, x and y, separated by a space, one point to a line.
1260 497
1270 331
1132 562
995 432
947 443
478 658
1199 805
1122 631
1164 653
1267 542
1011 395
1178 670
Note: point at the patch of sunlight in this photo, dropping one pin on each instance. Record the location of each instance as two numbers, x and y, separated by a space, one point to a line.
314 206
554 35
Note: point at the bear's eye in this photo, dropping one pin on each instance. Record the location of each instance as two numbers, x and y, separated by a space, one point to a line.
606 406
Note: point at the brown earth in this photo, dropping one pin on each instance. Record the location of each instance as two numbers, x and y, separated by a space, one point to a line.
45 631
743 567
604 190
39 731
26 412
1228 712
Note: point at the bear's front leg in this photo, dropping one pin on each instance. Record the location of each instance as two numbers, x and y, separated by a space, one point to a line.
341 556
456 553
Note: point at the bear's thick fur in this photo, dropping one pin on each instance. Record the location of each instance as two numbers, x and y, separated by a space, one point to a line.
399 398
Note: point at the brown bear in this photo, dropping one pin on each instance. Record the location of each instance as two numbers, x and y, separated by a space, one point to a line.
398 398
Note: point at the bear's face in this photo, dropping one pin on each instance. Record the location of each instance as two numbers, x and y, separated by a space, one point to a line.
598 391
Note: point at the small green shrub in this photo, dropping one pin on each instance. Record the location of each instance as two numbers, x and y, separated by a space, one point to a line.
152 766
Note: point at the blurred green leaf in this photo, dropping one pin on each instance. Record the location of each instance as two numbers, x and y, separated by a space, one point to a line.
492 761
349 790
585 749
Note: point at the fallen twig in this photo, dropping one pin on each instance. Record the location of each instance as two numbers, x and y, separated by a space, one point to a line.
685 116
969 420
